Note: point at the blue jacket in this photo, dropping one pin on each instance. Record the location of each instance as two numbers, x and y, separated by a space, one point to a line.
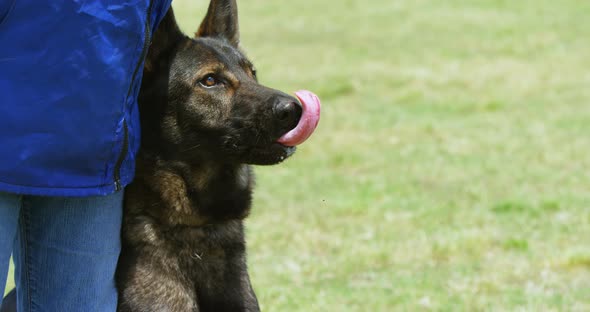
70 72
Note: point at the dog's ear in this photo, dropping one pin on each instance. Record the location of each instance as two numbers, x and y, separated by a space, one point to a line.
166 37
221 21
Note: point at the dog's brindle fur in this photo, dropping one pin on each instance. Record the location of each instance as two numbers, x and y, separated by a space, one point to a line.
205 119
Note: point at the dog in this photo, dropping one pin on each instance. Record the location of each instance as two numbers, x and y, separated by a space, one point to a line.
205 120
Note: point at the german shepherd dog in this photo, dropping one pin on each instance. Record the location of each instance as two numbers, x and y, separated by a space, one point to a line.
205 119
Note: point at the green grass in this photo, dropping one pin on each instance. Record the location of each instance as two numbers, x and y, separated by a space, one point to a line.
10 283
451 167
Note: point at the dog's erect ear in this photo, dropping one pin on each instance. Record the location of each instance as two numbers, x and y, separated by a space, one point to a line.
221 21
166 37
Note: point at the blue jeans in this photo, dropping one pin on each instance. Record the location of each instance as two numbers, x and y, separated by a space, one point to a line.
65 251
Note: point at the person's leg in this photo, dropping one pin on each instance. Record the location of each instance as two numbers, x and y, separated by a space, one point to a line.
9 209
66 254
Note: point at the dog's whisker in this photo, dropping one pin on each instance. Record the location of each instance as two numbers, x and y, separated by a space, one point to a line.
195 255
258 137
191 148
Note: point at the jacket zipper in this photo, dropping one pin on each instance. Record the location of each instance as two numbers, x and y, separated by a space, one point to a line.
125 149
122 156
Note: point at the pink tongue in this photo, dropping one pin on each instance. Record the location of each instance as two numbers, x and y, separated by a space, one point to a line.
308 122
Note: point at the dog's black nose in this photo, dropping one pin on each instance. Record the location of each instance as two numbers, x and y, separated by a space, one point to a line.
288 112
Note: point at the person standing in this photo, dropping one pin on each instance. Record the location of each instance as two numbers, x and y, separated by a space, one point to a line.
70 73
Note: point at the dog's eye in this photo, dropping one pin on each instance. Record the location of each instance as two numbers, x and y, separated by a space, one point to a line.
209 81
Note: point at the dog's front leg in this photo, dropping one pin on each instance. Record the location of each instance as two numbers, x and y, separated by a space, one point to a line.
224 284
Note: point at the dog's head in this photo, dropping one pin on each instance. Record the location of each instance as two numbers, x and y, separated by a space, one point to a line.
201 98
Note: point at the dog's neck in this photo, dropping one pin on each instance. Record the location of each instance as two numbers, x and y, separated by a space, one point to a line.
196 194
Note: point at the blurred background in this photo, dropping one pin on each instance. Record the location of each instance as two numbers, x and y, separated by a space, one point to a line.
451 168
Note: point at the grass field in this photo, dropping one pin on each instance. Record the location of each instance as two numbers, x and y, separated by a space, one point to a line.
451 168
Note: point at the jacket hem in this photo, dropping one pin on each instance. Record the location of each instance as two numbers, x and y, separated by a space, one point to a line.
99 190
